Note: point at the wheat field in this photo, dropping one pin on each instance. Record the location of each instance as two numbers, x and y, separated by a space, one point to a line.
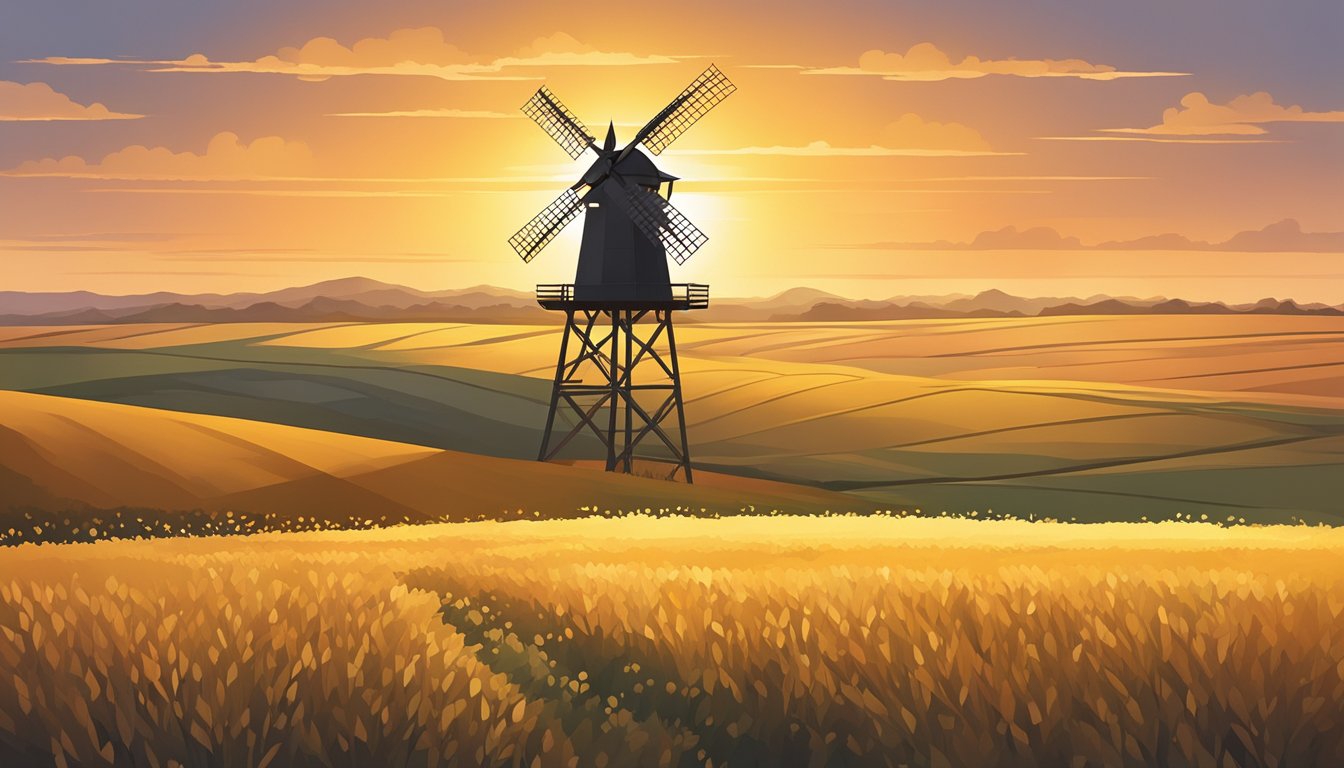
673 641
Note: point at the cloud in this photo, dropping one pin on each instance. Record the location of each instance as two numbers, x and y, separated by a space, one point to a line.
277 192
562 50
21 102
162 272
826 149
302 255
85 237
1037 178
926 62
469 114
421 51
166 247
913 131
1158 140
1169 241
1285 236
225 157
1008 238
1242 116
909 136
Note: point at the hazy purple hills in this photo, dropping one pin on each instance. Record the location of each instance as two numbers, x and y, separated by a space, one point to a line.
359 299
1283 236
344 300
816 306
364 290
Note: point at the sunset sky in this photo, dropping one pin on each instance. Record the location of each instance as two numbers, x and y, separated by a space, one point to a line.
1191 149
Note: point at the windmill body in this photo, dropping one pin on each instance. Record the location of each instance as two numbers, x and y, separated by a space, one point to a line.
618 311
617 261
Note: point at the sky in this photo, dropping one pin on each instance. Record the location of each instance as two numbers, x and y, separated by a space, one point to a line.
873 149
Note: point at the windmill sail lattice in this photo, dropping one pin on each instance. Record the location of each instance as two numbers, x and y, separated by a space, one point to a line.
543 227
661 222
700 96
557 121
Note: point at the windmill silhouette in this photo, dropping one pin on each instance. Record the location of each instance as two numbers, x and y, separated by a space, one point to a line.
622 283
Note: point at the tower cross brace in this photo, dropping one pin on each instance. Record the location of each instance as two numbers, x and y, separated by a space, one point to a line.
611 345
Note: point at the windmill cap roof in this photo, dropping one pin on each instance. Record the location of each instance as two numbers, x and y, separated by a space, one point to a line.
638 167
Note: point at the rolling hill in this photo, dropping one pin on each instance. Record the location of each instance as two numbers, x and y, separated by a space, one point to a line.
57 451
1090 417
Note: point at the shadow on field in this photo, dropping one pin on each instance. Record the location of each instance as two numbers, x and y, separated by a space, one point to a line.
593 674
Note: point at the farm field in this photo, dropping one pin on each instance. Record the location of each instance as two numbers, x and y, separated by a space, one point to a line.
742 641
1087 418
60 454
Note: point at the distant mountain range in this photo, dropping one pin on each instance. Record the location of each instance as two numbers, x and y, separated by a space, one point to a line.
995 303
360 299
1285 235
806 304
350 299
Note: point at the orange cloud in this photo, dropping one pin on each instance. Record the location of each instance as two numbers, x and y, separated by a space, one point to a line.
913 131
420 51
1197 116
926 62
39 102
1031 238
225 157
1157 139
560 49
466 114
1284 236
1009 238
910 136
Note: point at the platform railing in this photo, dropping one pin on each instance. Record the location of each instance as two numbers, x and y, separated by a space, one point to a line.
555 292
684 295
697 295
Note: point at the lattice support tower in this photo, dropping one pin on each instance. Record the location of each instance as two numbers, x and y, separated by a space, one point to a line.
617 378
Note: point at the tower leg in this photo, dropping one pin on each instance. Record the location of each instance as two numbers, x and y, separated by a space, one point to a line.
555 387
615 370
629 380
676 396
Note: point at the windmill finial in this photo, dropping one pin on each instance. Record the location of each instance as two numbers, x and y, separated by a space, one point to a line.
610 143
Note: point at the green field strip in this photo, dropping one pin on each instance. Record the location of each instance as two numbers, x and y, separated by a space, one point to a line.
1146 340
846 486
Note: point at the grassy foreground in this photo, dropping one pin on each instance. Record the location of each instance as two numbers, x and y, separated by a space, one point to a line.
639 641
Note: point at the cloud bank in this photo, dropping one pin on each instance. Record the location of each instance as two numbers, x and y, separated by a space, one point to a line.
1280 237
421 51
909 136
225 158
1197 116
39 102
464 114
926 62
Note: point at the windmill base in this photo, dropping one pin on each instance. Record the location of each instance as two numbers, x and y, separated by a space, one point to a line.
597 391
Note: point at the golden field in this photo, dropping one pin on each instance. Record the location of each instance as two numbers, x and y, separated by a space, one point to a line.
80 470
1098 418
674 641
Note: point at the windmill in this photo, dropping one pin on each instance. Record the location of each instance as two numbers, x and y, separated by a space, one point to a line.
618 311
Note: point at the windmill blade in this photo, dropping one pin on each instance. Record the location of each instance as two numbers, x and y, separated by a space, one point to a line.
558 122
658 220
702 95
542 229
